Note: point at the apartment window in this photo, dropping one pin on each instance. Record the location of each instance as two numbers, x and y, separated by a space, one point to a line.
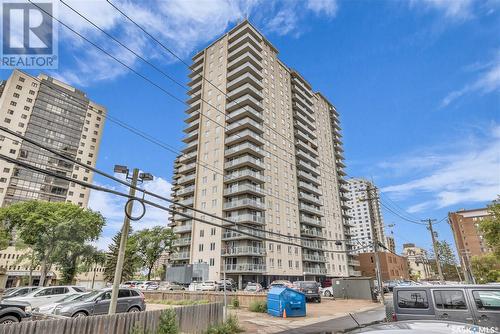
200 247
212 246
279 263
202 233
7 120
212 262
21 79
212 231
290 264
214 203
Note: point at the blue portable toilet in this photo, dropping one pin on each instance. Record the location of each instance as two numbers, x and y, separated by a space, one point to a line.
281 298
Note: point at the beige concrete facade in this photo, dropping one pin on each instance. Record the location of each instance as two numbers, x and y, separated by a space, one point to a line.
418 262
363 216
55 115
258 157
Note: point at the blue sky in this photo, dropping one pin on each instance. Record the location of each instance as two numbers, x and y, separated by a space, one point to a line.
417 84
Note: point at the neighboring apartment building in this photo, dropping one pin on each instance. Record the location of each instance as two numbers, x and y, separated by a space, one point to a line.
55 115
418 262
468 238
363 214
390 243
391 266
269 155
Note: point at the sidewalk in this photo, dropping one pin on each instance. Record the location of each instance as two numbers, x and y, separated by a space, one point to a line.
317 314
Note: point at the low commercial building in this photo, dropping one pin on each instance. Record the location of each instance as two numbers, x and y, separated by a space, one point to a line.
418 262
392 266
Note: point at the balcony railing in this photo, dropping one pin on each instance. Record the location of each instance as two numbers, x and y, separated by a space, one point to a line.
242 148
244 188
311 232
311 209
186 179
310 221
355 273
181 242
236 235
244 202
315 271
244 135
312 244
313 257
182 228
247 218
245 267
244 250
180 256
310 187
354 263
245 173
243 161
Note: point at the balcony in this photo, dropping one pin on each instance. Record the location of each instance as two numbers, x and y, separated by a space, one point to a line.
182 228
246 123
187 179
304 146
243 79
180 256
246 57
314 271
302 119
242 69
192 125
310 221
245 174
309 187
181 242
310 209
244 148
187 168
191 136
302 95
245 268
313 258
190 147
244 161
352 262
311 232
245 39
308 177
235 53
185 191
241 102
187 202
244 188
296 81
306 136
246 218
244 251
244 111
196 70
355 273
194 98
307 157
245 89
244 28
233 235
186 158
178 217
245 135
243 203
316 244
195 87
194 107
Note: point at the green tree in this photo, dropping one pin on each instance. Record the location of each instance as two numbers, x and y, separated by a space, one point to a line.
486 268
49 228
447 260
5 236
132 261
490 227
151 244
91 260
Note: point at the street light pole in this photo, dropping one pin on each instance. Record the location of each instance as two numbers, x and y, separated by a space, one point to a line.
123 244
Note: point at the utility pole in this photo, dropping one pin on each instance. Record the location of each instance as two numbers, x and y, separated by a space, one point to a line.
125 228
434 245
371 192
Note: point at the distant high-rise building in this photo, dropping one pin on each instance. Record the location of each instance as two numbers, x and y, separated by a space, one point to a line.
269 156
58 116
364 214
390 243
468 237
418 262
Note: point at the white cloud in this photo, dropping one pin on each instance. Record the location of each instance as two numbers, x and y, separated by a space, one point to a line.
181 25
327 7
469 174
454 9
112 208
487 82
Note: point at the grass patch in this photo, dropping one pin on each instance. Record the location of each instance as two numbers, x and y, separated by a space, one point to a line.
258 306
180 302
235 303
231 326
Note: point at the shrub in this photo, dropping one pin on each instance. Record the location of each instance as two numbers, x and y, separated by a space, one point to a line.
258 306
231 326
235 303
168 322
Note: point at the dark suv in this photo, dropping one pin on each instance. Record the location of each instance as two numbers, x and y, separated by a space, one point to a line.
12 311
309 288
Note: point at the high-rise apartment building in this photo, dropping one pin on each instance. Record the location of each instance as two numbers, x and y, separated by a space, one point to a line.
58 116
468 237
262 150
365 214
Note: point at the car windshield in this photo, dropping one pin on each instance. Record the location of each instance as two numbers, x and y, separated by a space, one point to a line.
71 297
309 285
89 296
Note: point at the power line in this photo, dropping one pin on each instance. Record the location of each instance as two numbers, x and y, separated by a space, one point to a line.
145 201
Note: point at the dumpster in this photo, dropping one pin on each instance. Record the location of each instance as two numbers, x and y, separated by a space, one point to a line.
286 302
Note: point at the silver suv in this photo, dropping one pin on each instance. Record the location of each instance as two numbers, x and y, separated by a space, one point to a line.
97 302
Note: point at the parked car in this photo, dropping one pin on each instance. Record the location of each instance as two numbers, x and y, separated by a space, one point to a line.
209 286
14 311
18 292
423 326
309 288
474 304
97 302
286 283
144 285
154 286
171 286
253 287
48 295
195 286
327 292
49 308
230 286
